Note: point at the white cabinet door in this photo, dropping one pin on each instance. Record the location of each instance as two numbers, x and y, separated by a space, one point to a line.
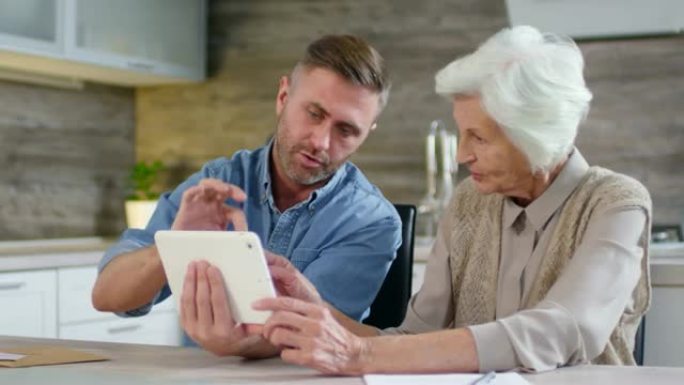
664 333
31 25
75 285
154 329
155 36
79 320
123 42
29 304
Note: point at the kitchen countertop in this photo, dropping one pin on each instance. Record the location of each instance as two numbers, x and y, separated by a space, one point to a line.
661 252
667 250
667 261
144 364
51 253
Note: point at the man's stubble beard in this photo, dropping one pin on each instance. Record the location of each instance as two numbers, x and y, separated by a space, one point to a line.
286 152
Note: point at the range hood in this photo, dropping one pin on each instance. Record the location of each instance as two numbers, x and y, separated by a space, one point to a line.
599 19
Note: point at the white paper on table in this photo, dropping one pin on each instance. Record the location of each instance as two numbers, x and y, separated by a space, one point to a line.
441 379
10 356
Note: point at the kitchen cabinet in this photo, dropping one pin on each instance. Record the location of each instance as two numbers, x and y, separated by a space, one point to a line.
29 304
74 288
663 332
163 37
664 335
124 42
153 329
78 320
33 25
45 291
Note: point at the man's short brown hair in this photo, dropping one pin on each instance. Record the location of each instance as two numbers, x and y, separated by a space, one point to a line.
352 58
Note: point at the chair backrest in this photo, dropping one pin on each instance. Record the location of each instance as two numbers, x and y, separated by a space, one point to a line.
389 307
639 343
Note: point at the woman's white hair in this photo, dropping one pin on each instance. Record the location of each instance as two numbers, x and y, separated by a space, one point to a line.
531 84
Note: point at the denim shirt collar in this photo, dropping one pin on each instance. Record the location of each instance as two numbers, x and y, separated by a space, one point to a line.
318 196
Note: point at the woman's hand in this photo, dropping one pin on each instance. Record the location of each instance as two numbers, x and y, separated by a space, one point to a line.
290 282
309 335
203 207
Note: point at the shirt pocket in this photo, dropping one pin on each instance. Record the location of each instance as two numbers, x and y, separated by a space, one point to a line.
301 257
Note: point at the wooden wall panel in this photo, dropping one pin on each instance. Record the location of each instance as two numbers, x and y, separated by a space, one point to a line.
65 154
64 158
636 125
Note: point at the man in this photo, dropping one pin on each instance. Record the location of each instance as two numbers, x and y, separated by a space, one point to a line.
298 193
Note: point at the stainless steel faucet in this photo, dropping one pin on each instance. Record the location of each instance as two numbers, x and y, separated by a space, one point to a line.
437 197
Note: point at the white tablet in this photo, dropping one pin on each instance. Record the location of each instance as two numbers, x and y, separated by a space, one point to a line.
239 256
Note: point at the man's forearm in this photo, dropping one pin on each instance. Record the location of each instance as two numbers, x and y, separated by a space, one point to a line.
129 281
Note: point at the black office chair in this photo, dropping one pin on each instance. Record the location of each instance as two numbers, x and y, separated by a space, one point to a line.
389 307
639 343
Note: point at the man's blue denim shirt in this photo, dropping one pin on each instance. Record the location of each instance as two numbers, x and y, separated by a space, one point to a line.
343 238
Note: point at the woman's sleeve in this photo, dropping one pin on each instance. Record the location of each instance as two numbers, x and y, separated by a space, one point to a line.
432 307
573 323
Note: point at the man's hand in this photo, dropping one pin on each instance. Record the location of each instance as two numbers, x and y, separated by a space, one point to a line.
289 281
205 312
203 208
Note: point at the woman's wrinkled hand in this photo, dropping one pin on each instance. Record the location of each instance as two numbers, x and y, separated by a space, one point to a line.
289 281
309 335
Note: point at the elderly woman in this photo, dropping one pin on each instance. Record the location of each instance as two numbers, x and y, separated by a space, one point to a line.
541 261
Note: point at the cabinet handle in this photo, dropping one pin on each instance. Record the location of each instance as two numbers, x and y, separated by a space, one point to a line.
11 285
140 66
123 329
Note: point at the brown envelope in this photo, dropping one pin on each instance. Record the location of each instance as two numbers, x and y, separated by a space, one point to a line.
48 355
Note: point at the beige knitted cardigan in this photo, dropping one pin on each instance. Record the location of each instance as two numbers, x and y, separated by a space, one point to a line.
475 243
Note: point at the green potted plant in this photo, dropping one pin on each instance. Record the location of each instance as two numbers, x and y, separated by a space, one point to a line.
142 200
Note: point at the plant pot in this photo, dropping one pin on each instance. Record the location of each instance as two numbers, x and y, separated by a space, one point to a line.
138 213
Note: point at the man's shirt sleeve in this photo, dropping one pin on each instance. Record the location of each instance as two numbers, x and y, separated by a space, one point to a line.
349 275
134 239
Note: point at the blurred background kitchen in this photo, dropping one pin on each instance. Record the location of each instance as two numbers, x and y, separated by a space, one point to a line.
93 86
66 153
